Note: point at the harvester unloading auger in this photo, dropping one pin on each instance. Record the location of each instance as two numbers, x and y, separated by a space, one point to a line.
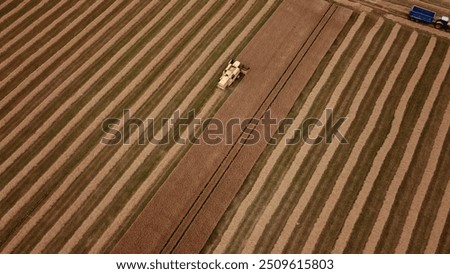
232 72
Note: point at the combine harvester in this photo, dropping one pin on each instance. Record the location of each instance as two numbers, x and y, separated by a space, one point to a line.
232 72
421 15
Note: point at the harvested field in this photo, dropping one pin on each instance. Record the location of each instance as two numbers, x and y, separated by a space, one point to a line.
318 199
66 67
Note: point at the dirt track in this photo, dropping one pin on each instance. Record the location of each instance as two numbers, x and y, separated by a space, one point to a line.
50 146
277 153
156 225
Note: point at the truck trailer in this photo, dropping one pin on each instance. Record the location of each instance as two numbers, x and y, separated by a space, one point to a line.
422 15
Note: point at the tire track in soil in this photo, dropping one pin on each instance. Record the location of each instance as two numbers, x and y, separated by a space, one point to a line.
283 187
407 158
109 166
381 154
276 154
65 50
353 158
175 151
98 74
419 197
75 97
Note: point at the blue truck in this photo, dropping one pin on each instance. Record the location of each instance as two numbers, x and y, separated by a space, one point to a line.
422 15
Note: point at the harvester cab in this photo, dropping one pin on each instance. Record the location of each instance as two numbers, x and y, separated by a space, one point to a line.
232 72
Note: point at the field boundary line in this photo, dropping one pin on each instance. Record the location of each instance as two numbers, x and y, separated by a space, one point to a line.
391 194
123 149
382 152
353 158
138 196
265 171
270 208
50 171
64 50
4 64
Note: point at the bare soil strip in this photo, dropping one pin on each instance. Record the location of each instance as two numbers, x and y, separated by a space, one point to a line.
273 181
163 232
276 154
25 146
176 150
419 197
64 51
23 17
6 63
221 196
407 158
116 100
286 181
187 237
375 169
353 158
109 166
